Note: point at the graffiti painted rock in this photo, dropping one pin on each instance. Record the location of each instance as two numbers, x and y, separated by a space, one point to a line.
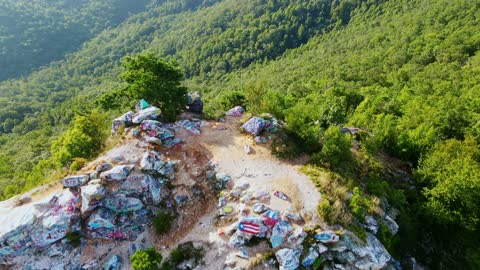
122 204
117 173
289 259
91 196
75 181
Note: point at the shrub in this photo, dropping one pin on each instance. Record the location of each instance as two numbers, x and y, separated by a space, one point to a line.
73 238
183 253
336 148
386 237
148 259
163 222
359 204
77 164
317 264
325 210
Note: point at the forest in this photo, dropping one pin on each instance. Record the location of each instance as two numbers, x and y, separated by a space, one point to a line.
405 72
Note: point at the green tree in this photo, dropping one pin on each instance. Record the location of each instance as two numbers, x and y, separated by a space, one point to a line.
153 79
148 259
451 175
84 140
336 148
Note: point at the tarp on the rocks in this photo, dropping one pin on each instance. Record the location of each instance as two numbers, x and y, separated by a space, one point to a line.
141 105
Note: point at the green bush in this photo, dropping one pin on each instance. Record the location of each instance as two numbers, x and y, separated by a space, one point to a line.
216 106
317 264
163 222
359 204
84 140
336 148
325 210
73 238
386 237
148 259
77 164
183 253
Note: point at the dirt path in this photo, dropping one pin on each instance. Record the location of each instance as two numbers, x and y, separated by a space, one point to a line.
262 171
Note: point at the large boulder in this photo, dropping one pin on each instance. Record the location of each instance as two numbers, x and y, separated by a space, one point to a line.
61 210
103 167
100 219
191 126
91 196
371 256
154 128
195 103
254 126
117 173
152 163
289 259
120 203
75 181
280 232
43 237
114 263
391 224
150 113
236 111
122 121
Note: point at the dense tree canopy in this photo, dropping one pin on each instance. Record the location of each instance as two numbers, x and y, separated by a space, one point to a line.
451 175
35 33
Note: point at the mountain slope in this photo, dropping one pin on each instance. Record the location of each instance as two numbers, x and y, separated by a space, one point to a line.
405 72
35 33
38 107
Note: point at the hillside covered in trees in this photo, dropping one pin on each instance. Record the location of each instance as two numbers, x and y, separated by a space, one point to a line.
407 73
